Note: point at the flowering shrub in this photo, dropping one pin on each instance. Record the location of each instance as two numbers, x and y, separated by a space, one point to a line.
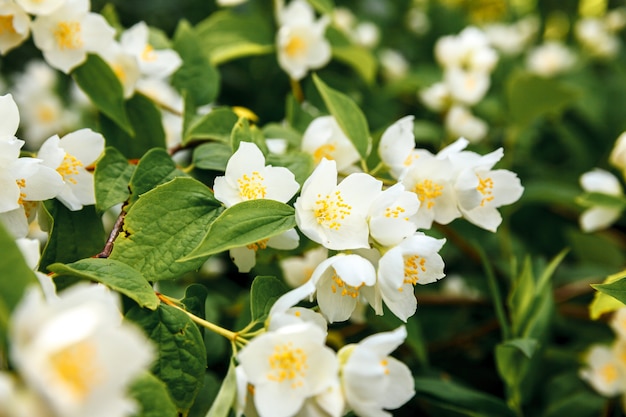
311 208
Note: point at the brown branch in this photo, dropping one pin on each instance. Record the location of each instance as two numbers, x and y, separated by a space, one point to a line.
117 227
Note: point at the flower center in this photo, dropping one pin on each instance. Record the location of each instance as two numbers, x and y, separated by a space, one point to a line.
324 151
67 35
21 183
295 46
413 265
331 210
349 290
76 366
251 186
69 167
288 363
148 54
427 191
395 212
261 244
609 373
46 113
6 24
385 364
485 187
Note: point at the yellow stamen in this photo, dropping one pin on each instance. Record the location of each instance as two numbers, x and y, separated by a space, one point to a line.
485 187
76 366
413 265
609 372
21 183
148 54
295 46
288 363
69 167
261 244
346 289
331 210
46 113
385 363
67 35
6 24
394 212
251 187
324 151
427 191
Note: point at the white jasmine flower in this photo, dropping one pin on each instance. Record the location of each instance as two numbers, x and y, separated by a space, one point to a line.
10 118
153 63
14 24
600 217
161 92
550 59
618 153
124 65
248 178
511 39
70 156
466 87
37 7
436 97
300 40
298 269
618 323
469 50
603 371
595 37
397 146
76 352
338 281
414 261
286 367
417 21
394 65
17 400
332 215
245 256
460 122
366 34
230 3
323 138
372 380
66 35
390 215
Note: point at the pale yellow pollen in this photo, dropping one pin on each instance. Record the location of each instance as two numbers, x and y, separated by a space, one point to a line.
251 187
6 24
324 151
21 183
409 159
119 72
69 166
485 187
346 289
385 363
609 373
288 363
261 244
67 35
29 207
427 191
297 314
148 54
413 266
45 113
76 366
395 212
295 46
470 83
331 210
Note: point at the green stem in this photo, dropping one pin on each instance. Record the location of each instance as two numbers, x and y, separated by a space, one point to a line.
296 89
495 295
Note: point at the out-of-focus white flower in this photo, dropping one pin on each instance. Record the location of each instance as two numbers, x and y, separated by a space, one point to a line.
466 87
469 50
66 35
460 122
245 256
153 63
511 39
332 215
603 371
618 323
323 138
298 269
418 21
414 261
436 97
300 39
37 7
599 217
550 59
338 281
70 156
366 34
397 146
344 19
17 400
230 3
393 63
248 178
161 92
616 19
372 380
390 215
124 65
596 38
618 153
10 118
286 367
76 353
14 26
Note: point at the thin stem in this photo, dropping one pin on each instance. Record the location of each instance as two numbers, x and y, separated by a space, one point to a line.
117 227
377 168
296 89
495 295
232 336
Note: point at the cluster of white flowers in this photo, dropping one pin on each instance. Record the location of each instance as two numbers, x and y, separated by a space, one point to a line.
60 170
512 38
605 366
599 35
73 356
467 60
289 370
550 58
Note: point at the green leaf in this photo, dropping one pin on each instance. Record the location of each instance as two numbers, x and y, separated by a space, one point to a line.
181 355
226 35
212 155
323 6
300 163
163 226
513 365
111 178
298 116
527 346
283 131
195 300
244 224
359 58
155 168
16 277
114 274
617 202
226 395
604 303
102 86
216 125
145 119
152 396
265 290
615 289
244 132
348 115
464 400
197 76
530 97
73 235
